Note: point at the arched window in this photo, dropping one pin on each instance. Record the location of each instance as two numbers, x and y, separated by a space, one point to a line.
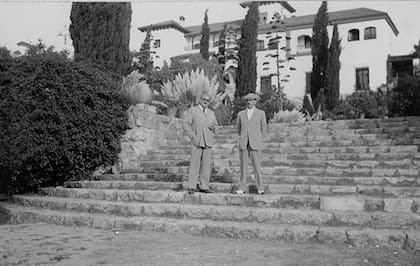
370 33
353 35
304 41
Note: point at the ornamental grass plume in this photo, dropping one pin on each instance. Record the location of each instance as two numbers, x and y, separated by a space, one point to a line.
186 89
288 116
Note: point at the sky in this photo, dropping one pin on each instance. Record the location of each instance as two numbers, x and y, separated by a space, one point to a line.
49 20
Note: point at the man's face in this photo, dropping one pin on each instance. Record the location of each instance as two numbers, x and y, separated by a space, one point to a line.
251 103
204 101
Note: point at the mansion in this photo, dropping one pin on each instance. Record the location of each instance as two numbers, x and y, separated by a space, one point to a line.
366 40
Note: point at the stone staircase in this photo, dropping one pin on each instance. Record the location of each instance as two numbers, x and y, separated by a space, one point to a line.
354 182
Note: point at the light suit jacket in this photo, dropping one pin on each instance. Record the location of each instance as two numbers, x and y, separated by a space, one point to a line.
196 125
252 130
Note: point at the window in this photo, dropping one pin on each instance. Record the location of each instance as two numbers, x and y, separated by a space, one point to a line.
156 44
304 42
370 33
196 46
260 45
273 45
362 78
353 35
265 83
263 18
308 82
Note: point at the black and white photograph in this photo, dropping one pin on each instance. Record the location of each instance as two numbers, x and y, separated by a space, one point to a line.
282 133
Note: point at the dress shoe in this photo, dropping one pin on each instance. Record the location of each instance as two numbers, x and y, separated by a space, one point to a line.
260 191
206 190
239 191
191 190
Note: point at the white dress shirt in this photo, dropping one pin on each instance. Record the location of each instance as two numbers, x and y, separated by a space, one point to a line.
249 112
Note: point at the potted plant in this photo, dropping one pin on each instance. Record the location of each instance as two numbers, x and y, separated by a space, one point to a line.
135 88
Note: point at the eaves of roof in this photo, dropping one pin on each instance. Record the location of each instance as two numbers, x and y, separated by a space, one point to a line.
164 25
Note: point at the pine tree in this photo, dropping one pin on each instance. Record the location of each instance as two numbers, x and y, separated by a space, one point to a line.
204 41
247 64
144 54
101 33
319 51
332 78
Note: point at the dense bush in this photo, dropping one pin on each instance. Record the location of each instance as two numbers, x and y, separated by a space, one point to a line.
405 98
369 103
59 121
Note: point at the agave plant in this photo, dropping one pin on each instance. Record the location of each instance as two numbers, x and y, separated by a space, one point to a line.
186 89
288 116
135 88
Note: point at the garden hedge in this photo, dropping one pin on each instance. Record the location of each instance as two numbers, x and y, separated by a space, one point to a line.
59 121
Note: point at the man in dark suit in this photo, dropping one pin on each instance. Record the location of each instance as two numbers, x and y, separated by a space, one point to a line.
251 126
200 125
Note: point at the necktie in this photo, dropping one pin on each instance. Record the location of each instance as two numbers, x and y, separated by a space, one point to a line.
204 110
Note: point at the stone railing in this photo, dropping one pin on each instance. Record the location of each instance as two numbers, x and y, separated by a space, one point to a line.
147 129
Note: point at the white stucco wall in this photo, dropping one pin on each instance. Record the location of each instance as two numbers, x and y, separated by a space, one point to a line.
355 54
172 42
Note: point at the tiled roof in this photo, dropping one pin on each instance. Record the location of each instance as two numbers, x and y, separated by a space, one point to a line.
165 25
344 16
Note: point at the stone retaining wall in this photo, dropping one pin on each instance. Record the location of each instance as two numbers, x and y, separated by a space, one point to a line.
147 129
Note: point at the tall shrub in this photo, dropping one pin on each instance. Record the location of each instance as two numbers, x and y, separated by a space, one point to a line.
247 64
60 120
319 51
204 41
332 77
101 33
222 46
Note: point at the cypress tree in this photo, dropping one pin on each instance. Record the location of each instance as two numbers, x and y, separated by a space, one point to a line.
101 33
333 71
319 51
204 41
144 54
247 64
222 46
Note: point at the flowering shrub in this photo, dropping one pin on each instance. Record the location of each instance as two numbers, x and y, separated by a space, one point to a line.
367 102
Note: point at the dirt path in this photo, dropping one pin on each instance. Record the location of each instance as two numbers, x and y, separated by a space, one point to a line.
41 244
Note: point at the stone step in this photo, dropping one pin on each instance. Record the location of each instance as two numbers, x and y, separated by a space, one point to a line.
243 230
324 197
275 216
297 156
302 171
332 128
232 148
324 141
283 179
273 161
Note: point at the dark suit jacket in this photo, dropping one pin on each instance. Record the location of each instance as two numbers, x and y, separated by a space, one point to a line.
253 130
196 125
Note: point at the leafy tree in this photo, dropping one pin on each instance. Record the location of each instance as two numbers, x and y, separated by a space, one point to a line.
332 77
101 33
247 64
204 41
144 55
319 51
4 52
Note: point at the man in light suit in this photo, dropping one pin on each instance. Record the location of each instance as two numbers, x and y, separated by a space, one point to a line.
251 126
200 125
